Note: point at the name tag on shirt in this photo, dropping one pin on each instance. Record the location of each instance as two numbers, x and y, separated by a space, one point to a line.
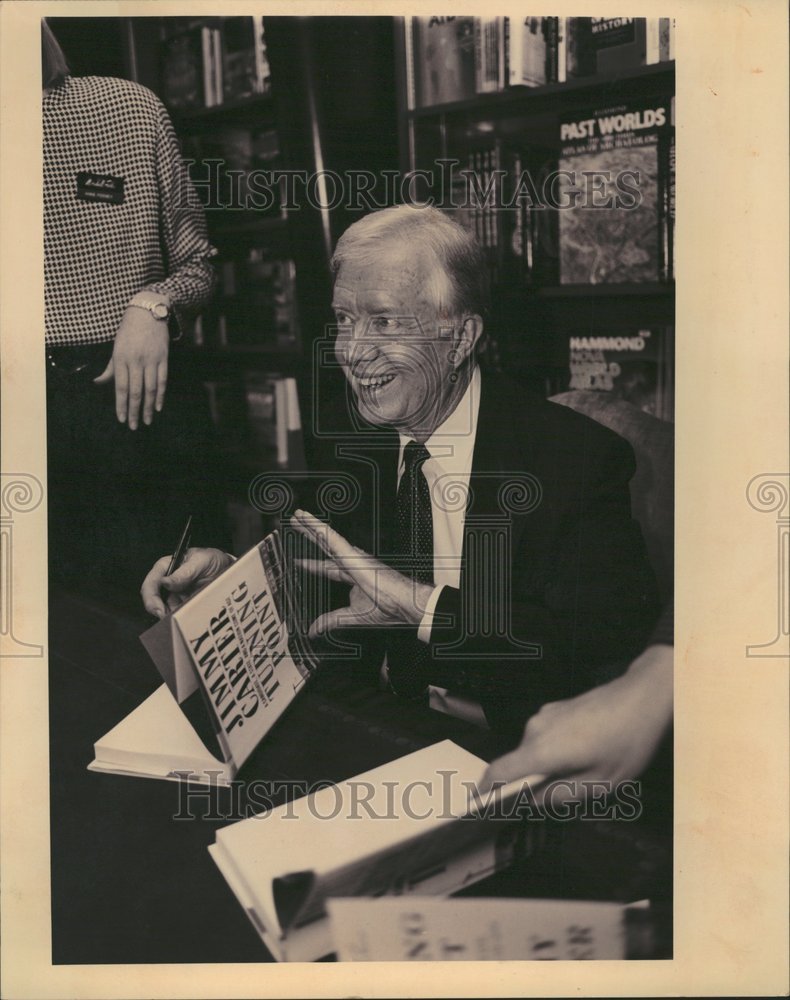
100 187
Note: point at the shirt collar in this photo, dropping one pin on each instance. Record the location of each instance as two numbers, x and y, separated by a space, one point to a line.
453 441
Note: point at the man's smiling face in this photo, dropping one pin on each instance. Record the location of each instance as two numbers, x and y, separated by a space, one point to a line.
389 340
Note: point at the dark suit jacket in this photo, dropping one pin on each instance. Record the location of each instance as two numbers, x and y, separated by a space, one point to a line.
555 579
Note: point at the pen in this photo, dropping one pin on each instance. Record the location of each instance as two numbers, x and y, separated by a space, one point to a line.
181 548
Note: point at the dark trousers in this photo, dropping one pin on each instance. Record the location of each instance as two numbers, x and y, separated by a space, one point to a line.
118 499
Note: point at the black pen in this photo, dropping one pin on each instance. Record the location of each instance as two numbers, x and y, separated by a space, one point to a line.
181 548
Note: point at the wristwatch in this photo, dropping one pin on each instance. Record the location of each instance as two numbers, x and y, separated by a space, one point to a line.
159 310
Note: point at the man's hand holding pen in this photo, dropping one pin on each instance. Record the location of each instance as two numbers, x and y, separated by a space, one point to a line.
165 590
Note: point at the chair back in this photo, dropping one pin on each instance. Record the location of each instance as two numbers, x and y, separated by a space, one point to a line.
653 484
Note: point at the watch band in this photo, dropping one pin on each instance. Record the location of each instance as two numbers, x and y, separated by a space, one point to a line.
158 309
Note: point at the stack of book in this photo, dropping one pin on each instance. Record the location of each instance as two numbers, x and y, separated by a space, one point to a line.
213 61
454 58
363 838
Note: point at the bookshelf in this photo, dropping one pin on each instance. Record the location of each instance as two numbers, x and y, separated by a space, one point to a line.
309 116
534 311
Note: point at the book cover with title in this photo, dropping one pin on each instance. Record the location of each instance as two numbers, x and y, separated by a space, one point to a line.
613 173
444 59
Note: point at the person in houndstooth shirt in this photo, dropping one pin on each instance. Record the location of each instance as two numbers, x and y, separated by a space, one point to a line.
126 259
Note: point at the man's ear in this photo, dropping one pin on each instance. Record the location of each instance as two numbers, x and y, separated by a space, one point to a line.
469 333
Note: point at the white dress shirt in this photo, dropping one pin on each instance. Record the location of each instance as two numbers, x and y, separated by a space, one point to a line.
447 472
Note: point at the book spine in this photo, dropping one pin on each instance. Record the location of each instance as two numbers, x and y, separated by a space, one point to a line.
562 49
652 41
527 52
581 53
664 28
281 421
489 209
216 50
662 208
671 209
618 43
501 23
419 62
551 27
667 191
408 44
487 54
478 31
262 73
293 422
208 76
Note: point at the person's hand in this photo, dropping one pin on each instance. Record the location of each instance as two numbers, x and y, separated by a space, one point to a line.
161 593
139 366
379 595
610 733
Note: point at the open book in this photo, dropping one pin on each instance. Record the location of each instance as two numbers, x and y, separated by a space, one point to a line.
409 827
233 658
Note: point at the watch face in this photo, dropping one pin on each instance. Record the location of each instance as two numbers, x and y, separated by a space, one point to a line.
161 311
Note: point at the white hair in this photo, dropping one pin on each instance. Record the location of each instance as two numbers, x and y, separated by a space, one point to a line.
460 281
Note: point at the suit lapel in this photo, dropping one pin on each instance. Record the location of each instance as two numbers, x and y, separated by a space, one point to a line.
501 457
374 458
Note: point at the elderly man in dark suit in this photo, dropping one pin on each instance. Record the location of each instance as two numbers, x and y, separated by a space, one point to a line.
493 564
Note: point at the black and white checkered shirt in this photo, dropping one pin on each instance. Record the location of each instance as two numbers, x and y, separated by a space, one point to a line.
120 214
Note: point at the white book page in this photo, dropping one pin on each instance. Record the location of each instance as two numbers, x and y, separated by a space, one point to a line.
344 823
156 737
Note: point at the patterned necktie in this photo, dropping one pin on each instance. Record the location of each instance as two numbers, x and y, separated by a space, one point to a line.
407 657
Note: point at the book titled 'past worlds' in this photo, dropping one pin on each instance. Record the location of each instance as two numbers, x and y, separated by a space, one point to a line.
233 658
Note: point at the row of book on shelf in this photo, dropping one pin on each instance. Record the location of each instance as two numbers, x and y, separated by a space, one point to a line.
233 660
454 58
207 62
594 206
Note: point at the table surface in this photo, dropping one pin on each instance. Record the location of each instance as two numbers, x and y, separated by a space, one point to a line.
132 884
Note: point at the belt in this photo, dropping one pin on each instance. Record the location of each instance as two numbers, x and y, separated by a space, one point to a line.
83 362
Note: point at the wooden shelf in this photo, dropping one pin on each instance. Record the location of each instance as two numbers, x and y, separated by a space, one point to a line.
530 99
612 290
246 356
258 107
245 224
